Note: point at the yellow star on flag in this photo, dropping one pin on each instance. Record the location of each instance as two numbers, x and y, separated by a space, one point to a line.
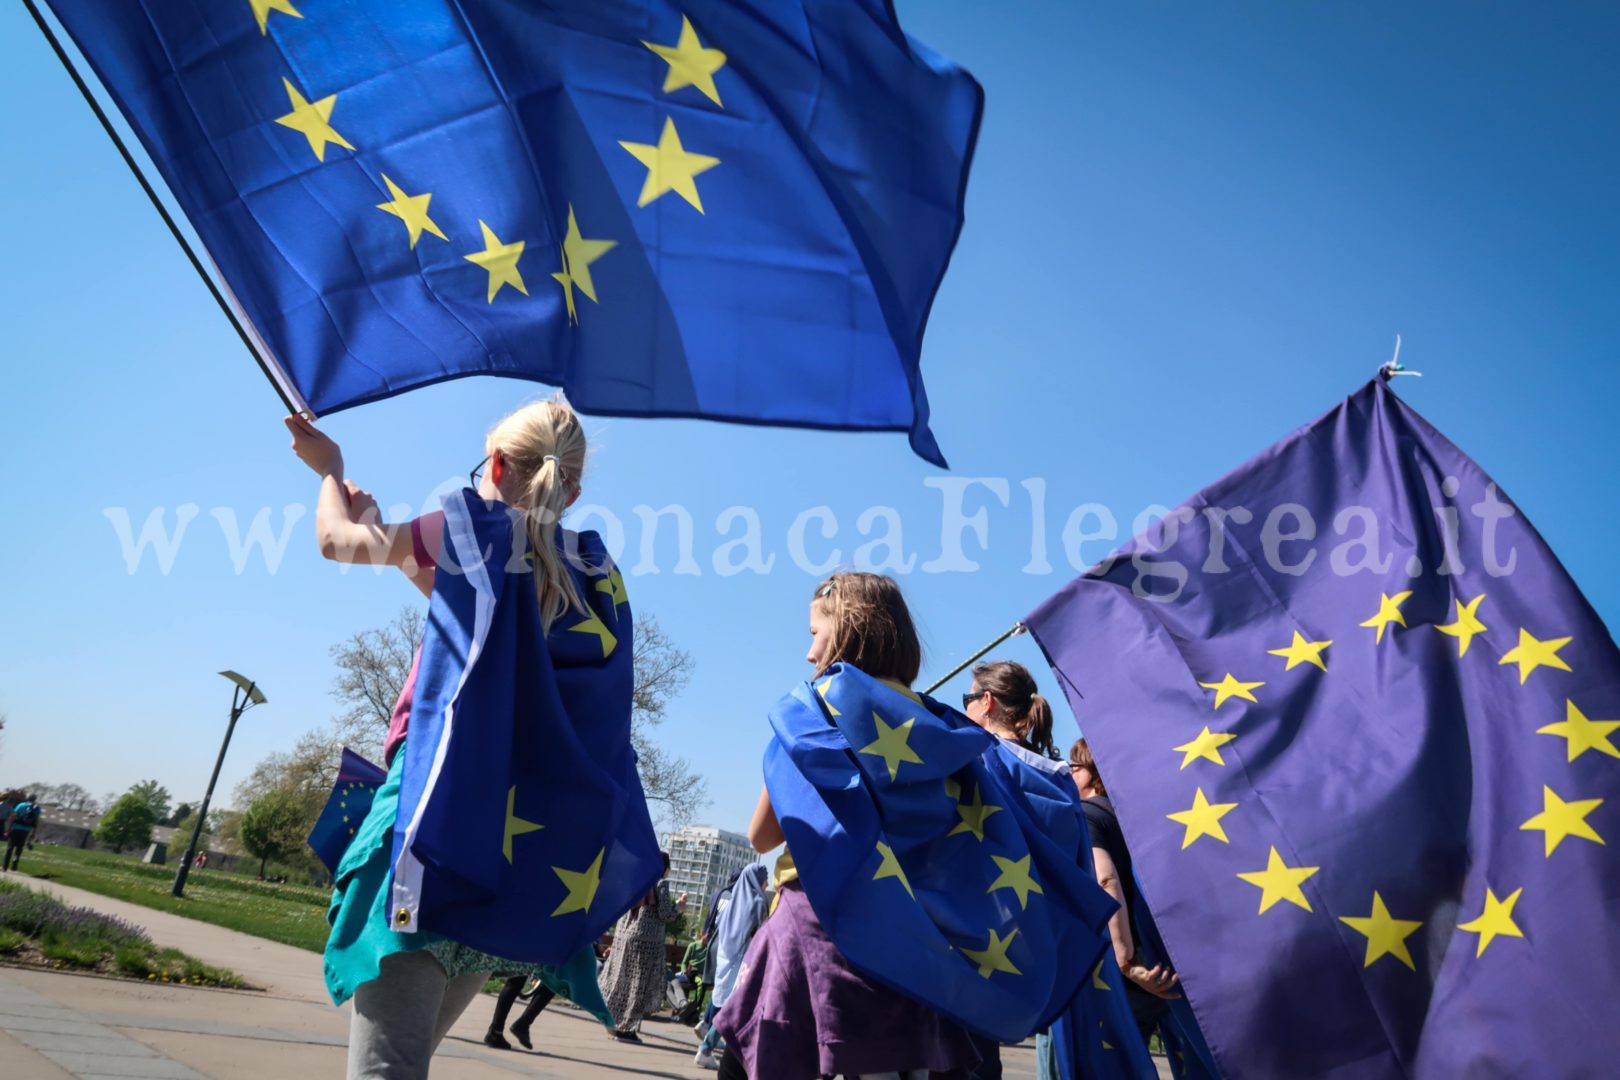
993 957
1530 654
412 210
613 586
974 815
312 121
1230 687
578 254
1097 982
1389 611
515 826
593 624
500 261
1207 746
581 886
890 867
822 691
1386 935
1279 881
892 745
670 167
690 64
263 8
1202 819
1466 626
1583 734
953 788
1015 875
1559 819
1496 921
1301 651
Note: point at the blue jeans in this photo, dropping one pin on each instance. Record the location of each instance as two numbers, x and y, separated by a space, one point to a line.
1045 1057
711 1038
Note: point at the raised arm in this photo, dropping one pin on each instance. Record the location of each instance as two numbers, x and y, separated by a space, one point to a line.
348 525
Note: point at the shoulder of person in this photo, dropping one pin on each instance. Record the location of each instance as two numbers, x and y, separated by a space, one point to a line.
1099 811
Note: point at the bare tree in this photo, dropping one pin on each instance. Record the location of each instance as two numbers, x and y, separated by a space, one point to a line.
372 668
662 671
374 664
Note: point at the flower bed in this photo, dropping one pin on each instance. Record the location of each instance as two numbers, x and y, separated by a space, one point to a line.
39 930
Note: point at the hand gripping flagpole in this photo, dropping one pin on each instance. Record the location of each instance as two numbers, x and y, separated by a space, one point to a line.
1014 631
157 203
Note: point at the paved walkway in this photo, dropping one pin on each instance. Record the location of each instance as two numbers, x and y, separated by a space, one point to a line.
55 1025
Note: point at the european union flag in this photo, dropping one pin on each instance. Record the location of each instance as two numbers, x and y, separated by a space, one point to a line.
725 209
356 785
1359 726
522 827
934 863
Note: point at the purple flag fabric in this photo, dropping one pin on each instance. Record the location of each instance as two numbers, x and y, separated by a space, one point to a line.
1361 731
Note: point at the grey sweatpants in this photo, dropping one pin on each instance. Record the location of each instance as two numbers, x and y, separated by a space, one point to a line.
402 1015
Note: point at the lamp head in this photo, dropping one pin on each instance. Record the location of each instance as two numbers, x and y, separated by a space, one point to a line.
255 695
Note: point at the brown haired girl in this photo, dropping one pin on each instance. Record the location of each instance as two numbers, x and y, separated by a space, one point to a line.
799 1010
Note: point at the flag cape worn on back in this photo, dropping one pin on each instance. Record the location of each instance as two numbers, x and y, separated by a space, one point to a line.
1365 760
356 785
935 864
724 209
522 828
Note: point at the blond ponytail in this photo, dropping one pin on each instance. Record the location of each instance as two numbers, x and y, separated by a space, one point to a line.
544 445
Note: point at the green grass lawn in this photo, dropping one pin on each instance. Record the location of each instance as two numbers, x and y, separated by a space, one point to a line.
290 914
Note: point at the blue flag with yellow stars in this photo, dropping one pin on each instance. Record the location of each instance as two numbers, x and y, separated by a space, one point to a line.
356 785
724 209
1360 727
936 865
522 828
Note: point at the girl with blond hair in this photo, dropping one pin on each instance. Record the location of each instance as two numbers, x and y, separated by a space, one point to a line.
408 984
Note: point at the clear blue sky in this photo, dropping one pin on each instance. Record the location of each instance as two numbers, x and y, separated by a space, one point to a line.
1191 229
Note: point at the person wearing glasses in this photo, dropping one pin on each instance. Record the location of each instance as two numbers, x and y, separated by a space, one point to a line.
1005 701
409 989
1146 989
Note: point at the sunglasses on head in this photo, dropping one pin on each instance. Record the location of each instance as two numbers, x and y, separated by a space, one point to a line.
974 695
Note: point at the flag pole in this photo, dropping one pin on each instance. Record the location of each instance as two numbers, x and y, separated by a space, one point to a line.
1014 631
157 203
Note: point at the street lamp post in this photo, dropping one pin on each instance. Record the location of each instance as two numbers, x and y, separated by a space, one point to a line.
246 696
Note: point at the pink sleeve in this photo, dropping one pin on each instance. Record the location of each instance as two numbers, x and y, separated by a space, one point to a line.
427 535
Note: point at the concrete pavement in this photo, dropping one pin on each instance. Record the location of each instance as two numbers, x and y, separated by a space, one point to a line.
55 1025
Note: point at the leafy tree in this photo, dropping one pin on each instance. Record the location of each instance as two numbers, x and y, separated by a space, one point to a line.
274 827
182 834
181 812
308 771
155 796
127 824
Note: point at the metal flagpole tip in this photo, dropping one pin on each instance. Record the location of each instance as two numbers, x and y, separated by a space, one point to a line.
252 690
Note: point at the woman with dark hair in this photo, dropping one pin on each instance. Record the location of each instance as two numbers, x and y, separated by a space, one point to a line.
635 976
1145 988
1005 702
